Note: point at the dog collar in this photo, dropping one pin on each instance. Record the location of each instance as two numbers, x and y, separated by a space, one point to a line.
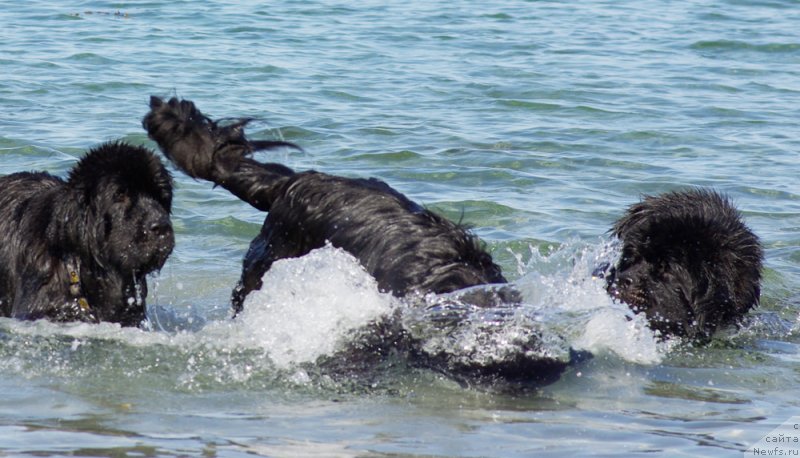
75 289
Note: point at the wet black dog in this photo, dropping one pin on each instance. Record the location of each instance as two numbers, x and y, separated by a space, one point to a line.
688 262
405 247
80 249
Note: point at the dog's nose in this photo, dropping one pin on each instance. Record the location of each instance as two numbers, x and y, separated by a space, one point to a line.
602 270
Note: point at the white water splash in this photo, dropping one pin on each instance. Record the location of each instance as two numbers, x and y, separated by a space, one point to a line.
309 305
563 307
562 282
473 335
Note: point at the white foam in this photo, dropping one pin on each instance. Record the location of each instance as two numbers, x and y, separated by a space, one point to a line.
623 334
308 306
589 319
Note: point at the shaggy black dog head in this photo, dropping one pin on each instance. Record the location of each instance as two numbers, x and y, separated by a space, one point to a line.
688 262
127 196
203 148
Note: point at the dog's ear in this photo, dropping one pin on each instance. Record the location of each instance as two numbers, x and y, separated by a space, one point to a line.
156 180
155 102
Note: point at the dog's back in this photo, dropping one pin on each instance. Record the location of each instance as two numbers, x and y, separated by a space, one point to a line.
403 245
17 199
18 186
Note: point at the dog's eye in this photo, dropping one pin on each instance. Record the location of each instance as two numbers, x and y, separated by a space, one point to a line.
121 197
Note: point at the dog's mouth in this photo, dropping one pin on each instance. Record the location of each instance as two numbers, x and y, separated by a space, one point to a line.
627 293
621 287
163 248
148 255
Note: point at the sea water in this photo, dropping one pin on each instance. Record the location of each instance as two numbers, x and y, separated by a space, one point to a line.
535 122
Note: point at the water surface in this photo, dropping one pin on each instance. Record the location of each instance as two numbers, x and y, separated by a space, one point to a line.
537 122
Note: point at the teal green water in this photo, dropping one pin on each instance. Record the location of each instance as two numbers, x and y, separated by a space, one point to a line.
538 122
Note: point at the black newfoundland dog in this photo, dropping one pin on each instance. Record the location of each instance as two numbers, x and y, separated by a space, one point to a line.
688 262
405 247
80 249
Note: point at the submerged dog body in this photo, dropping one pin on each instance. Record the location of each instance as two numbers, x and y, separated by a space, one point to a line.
80 249
404 246
688 262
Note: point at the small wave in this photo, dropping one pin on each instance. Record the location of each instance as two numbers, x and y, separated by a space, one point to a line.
736 45
91 58
245 29
288 133
393 157
530 105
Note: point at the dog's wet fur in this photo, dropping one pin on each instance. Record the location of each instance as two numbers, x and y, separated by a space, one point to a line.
688 262
80 249
404 246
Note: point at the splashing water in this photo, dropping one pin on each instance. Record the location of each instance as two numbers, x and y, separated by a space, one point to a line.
563 307
310 307
581 310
